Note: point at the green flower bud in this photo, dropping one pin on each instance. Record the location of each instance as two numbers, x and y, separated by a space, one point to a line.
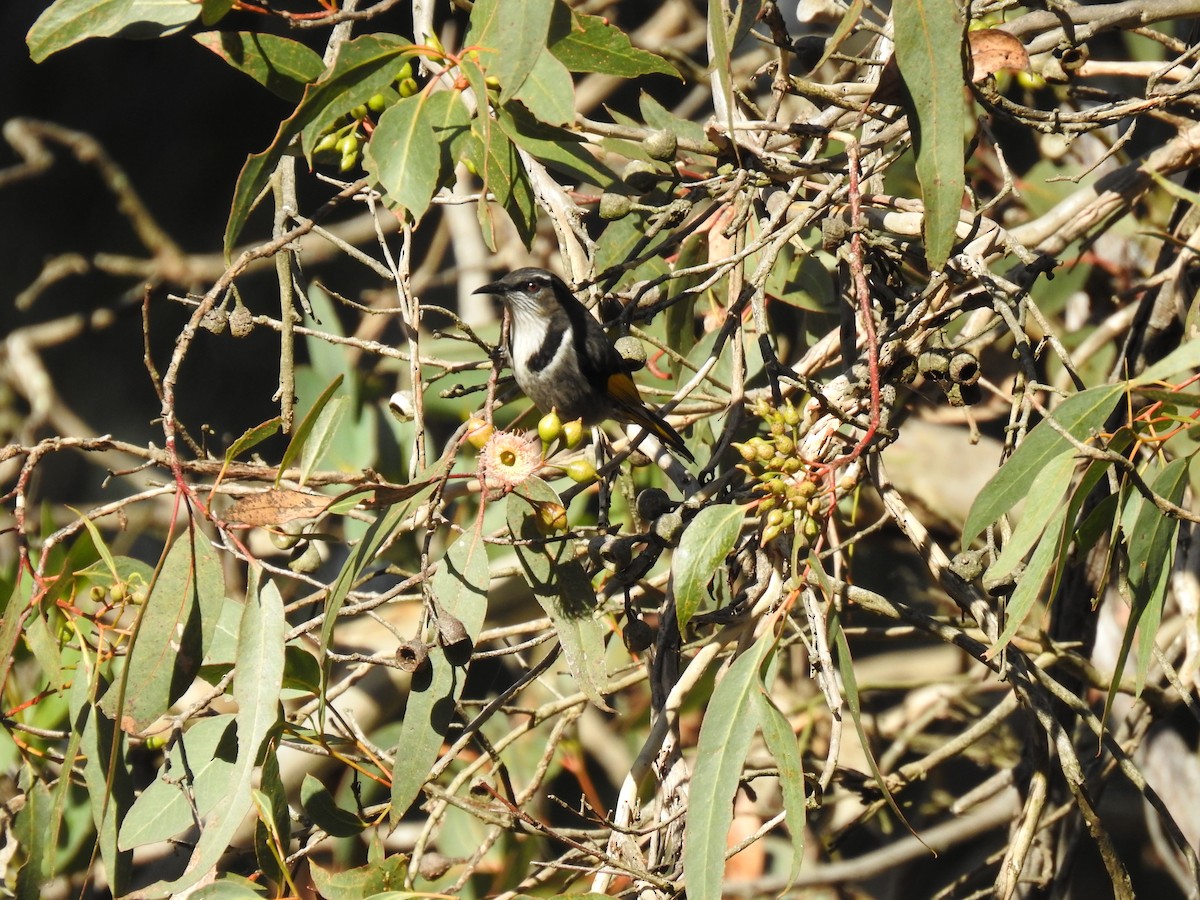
549 427
614 206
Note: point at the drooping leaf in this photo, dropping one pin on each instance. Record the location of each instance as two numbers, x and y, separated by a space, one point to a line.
585 43
276 507
281 65
198 770
1080 414
928 36
67 22
509 37
733 716
1184 358
256 689
1042 502
32 827
1151 546
548 92
1029 585
560 150
325 428
562 589
364 551
459 588
319 805
106 772
706 542
175 628
364 67
781 741
305 429
400 155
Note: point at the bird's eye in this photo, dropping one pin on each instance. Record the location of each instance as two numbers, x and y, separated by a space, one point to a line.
532 287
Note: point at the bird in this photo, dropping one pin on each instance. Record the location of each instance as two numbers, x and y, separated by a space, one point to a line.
564 361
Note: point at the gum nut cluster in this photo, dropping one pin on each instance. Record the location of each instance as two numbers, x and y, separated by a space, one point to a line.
790 503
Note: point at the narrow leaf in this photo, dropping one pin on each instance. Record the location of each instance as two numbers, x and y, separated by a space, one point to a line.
729 725
304 430
781 741
928 37
706 542
1043 501
561 150
256 689
509 37
585 43
175 628
67 22
1029 585
280 65
563 590
459 587
1080 415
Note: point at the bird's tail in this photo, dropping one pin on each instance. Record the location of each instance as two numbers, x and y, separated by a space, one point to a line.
654 423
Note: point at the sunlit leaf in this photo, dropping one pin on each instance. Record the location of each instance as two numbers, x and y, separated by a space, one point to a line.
459 588
280 65
928 35
1080 414
706 542
67 22
585 43
725 736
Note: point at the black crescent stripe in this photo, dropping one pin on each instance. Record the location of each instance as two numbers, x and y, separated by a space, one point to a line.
545 354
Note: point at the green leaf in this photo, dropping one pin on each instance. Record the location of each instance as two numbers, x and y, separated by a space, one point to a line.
845 27
1029 585
805 283
928 38
562 589
495 158
373 880
1080 415
1043 501
560 150
681 314
701 554
548 92
282 66
199 769
725 736
1151 548
510 37
105 771
781 742
174 630
659 117
589 44
459 588
227 888
32 826
273 828
363 553
837 637
320 806
400 154
364 67
67 22
256 689
305 429
720 61
324 430
252 437
213 11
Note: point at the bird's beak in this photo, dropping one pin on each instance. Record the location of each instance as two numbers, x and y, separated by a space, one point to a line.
495 288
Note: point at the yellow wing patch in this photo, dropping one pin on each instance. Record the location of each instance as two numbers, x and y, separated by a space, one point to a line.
622 389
